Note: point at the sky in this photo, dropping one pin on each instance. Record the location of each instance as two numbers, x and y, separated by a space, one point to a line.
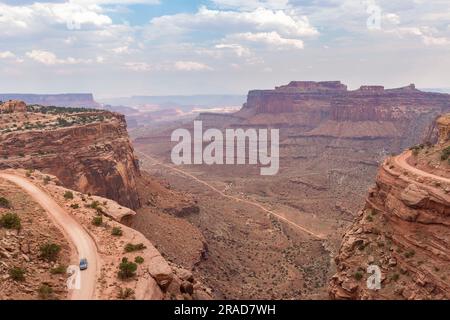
162 47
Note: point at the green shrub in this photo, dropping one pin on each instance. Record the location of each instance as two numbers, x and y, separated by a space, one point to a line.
58 270
68 195
127 269
10 221
445 154
134 247
50 251
75 206
139 260
116 231
97 221
395 277
47 180
125 294
4 203
45 291
17 274
358 275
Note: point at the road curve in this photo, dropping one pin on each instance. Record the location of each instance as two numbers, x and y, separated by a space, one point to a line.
401 161
237 199
73 231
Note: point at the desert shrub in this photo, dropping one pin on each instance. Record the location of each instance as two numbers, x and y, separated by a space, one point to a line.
395 277
125 294
97 221
4 203
139 260
10 221
134 247
116 231
50 251
58 270
445 154
94 205
45 291
68 195
17 274
75 206
127 269
410 254
47 180
358 275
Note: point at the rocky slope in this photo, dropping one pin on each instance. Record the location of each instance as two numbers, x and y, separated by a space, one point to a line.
154 279
404 229
88 151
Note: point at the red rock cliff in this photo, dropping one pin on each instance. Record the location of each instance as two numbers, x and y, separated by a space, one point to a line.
95 158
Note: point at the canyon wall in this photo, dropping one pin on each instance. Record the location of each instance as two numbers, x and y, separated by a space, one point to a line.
404 229
95 158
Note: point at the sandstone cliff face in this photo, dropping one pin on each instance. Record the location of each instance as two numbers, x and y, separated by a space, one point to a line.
13 106
404 229
94 158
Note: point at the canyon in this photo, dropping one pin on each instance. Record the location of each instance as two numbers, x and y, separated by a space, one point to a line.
249 236
332 141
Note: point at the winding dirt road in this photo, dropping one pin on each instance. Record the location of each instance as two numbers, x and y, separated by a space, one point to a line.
402 162
221 193
73 231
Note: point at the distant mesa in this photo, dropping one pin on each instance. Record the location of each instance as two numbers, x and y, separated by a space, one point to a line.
57 100
311 86
13 106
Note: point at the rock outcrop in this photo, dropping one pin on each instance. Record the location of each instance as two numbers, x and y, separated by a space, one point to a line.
96 157
443 124
404 230
57 100
13 106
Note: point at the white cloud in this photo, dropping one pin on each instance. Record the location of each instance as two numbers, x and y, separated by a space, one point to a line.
258 20
239 50
272 39
120 50
138 66
252 4
49 58
7 55
191 66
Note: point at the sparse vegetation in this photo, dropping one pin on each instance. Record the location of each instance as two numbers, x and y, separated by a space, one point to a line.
75 206
410 254
125 294
10 221
127 269
97 221
445 154
45 291
358 275
134 247
58 270
50 251
17 274
117 231
68 195
4 203
139 260
47 180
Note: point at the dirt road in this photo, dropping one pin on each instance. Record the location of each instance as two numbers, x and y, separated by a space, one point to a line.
221 193
73 231
401 162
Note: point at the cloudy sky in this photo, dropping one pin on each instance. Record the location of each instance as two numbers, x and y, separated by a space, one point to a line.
159 47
